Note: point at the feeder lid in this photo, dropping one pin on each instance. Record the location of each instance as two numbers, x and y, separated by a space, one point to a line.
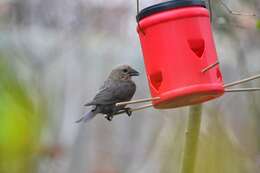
167 6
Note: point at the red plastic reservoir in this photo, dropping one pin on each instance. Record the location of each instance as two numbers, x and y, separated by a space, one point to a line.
177 44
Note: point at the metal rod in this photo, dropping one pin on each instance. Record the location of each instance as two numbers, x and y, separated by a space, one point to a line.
137 101
137 6
142 107
138 10
210 67
242 90
242 81
210 10
135 109
235 12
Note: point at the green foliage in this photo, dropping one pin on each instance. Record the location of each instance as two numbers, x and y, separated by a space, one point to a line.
20 123
173 147
258 25
216 151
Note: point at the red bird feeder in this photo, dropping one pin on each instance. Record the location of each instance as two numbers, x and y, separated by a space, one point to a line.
179 53
180 56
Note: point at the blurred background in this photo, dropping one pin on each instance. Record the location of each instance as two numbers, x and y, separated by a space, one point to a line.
55 54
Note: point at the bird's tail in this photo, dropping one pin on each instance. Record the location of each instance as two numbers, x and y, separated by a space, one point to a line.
87 116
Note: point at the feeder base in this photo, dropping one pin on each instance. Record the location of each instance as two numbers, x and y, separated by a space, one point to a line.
188 96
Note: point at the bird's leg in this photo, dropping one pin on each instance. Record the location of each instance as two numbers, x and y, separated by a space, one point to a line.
128 111
109 117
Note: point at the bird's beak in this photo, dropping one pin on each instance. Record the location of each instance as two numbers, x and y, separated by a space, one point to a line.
134 73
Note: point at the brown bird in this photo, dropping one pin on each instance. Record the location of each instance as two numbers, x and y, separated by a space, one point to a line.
118 87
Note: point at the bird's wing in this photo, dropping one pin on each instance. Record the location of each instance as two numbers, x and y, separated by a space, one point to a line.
104 95
114 92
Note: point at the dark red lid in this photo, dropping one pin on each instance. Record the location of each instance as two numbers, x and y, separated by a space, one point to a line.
167 6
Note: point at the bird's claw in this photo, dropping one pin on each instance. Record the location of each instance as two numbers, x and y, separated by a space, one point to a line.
109 117
128 111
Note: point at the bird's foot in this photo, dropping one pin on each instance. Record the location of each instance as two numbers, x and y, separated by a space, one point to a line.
128 111
109 117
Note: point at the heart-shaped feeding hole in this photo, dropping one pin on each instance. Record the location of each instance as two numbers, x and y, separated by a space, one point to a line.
218 74
197 46
156 80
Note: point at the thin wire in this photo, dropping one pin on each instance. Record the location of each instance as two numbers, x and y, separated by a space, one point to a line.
242 81
235 12
142 107
138 10
242 90
210 67
137 101
135 109
210 10
137 6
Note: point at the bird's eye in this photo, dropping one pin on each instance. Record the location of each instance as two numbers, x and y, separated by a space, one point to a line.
125 70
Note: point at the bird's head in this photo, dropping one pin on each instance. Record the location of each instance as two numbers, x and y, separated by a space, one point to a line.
123 72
